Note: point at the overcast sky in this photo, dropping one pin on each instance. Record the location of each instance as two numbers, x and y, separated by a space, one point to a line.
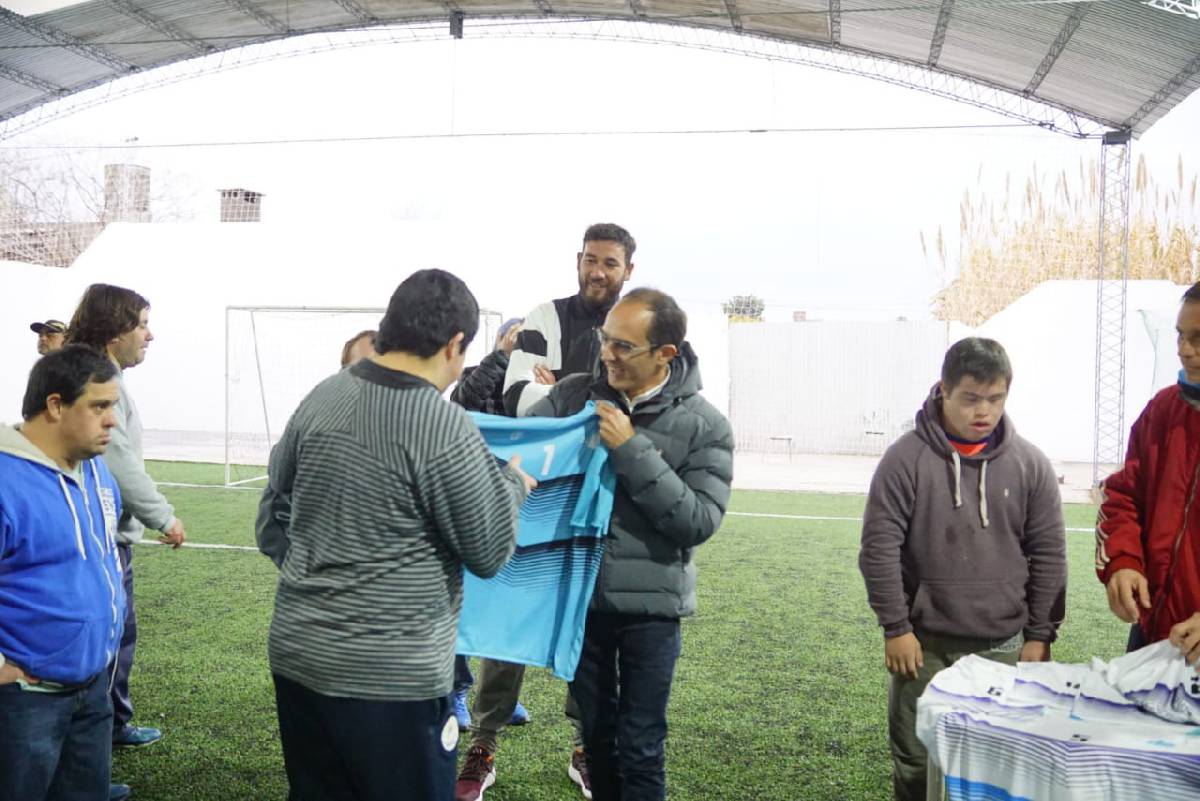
817 221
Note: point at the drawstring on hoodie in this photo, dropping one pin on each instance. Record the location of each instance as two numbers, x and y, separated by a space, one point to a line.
957 478
983 493
983 510
62 483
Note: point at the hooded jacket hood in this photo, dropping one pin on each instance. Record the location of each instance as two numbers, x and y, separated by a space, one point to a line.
930 430
14 443
683 382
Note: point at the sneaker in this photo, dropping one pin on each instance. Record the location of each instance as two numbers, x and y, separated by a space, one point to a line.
133 736
578 772
119 792
460 710
478 773
520 715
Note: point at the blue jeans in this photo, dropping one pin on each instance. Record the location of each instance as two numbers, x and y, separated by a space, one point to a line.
355 749
462 674
56 747
622 686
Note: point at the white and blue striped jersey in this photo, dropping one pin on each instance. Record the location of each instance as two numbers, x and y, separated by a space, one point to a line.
1052 732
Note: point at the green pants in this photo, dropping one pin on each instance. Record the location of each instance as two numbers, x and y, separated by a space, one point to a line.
908 753
496 692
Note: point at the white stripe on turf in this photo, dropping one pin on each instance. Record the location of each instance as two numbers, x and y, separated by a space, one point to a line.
213 546
207 486
840 519
219 547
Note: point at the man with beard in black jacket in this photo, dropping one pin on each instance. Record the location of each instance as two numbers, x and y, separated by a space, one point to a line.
559 337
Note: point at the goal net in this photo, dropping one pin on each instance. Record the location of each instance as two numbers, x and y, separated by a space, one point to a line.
274 356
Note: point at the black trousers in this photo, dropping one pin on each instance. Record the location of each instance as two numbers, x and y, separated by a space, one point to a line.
356 749
121 703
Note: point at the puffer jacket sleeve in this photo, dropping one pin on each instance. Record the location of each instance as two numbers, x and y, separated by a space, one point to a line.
477 387
688 504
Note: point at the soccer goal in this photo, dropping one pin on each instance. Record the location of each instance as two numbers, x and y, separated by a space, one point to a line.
275 355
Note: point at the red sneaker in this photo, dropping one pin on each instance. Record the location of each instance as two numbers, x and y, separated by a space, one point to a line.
478 773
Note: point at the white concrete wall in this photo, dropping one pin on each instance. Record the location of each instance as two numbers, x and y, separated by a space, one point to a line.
1050 336
191 272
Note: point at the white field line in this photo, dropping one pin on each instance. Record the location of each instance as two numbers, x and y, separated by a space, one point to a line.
219 547
208 546
208 486
840 519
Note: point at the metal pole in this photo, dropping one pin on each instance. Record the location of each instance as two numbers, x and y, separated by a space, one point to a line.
228 433
1111 286
262 387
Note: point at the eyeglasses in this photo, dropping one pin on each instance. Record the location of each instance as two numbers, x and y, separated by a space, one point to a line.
621 350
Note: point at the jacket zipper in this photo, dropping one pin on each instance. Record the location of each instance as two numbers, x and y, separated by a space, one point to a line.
1187 508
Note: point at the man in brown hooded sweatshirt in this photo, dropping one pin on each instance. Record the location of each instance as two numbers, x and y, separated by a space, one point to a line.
963 545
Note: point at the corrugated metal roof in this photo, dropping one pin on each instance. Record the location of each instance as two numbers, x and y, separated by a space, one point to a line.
1117 63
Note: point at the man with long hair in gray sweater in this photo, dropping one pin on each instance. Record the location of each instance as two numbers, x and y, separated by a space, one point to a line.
114 321
963 546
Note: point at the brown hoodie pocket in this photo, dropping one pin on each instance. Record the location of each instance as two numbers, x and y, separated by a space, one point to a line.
969 608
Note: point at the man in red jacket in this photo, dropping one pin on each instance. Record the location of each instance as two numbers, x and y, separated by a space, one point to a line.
1148 531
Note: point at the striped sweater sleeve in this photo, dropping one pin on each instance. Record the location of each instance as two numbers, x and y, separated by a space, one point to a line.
474 503
275 505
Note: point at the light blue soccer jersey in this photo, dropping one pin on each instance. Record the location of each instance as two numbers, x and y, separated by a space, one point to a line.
533 611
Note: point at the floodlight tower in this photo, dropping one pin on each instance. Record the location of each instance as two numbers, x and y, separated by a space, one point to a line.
1111 285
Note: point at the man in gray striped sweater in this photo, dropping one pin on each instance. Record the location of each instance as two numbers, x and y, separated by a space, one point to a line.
380 492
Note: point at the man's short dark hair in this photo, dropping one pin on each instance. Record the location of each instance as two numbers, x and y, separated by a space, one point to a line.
104 313
670 322
1193 294
611 232
370 332
982 359
425 313
66 373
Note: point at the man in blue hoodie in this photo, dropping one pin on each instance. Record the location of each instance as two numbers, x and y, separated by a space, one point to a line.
62 605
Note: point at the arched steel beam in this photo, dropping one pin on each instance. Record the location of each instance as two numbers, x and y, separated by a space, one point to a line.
910 74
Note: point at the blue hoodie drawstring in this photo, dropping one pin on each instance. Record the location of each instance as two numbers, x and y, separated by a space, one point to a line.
62 483
108 540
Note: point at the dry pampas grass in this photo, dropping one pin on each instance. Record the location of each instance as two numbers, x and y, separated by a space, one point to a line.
1007 246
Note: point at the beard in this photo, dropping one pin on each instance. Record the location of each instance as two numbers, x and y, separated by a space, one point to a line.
597 296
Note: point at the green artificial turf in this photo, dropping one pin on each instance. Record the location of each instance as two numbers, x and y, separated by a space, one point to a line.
779 694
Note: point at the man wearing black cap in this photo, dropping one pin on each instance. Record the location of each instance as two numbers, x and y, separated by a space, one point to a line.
50 335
